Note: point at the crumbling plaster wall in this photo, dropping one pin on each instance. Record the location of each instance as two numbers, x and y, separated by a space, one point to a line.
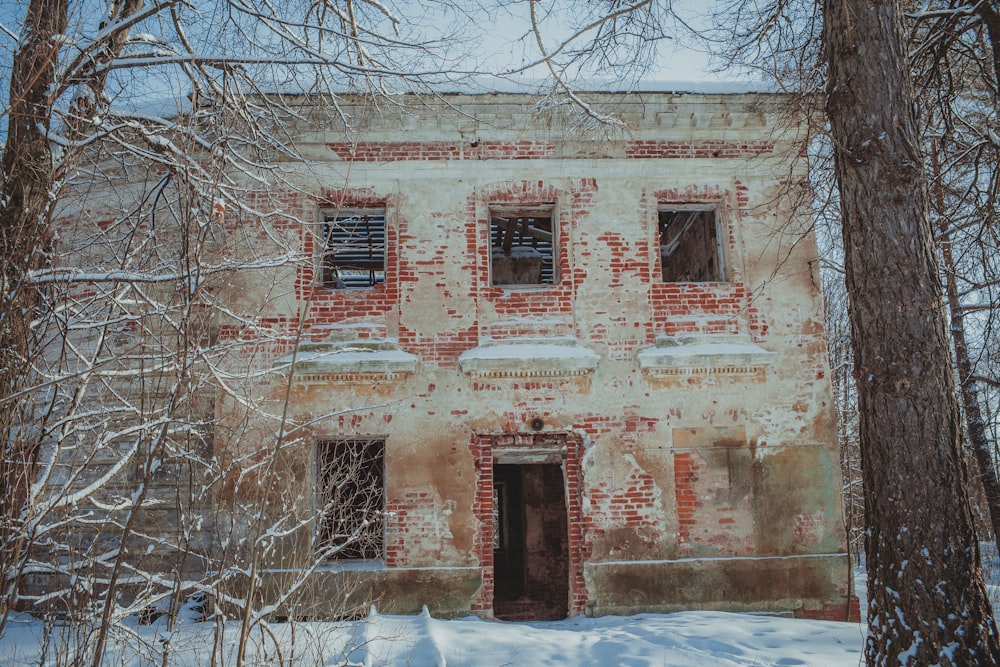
730 463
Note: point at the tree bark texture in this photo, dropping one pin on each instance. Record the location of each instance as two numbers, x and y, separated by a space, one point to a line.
927 598
25 209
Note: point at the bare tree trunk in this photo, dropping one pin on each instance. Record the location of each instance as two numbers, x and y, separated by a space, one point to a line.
927 598
27 194
25 208
975 425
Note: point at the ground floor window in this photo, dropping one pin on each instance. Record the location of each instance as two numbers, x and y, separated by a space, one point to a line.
350 476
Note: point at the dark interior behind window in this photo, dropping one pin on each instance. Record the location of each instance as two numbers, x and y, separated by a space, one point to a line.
690 250
351 498
522 246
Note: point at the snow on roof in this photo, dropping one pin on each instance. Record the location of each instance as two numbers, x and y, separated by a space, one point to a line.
486 84
169 106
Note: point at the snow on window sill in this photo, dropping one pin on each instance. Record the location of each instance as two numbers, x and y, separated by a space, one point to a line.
733 353
528 357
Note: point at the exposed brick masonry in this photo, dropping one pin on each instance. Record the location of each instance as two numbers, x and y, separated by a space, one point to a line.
482 450
697 149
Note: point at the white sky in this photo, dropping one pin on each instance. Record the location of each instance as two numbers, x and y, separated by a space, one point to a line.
508 42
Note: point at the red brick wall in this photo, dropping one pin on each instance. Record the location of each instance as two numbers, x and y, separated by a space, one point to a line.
697 149
396 151
674 309
408 519
677 308
329 306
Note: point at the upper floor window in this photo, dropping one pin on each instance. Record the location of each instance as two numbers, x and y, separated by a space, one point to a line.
522 245
353 248
690 246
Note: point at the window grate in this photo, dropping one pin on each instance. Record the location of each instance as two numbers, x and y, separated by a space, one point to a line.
350 482
354 249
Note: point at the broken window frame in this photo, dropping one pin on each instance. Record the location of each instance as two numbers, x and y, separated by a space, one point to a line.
350 499
516 231
695 212
500 527
350 258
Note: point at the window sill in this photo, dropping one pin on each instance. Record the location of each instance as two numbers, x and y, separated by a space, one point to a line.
352 565
555 356
338 359
718 353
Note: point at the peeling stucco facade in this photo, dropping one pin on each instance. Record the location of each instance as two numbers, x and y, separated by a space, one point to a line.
690 423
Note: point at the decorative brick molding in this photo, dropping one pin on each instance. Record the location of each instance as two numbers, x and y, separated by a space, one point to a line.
346 359
709 149
681 356
397 151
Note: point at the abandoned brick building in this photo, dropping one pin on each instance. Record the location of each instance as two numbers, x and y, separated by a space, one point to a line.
583 375
544 370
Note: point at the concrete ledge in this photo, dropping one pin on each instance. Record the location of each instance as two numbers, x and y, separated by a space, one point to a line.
336 593
345 357
670 354
529 357
791 584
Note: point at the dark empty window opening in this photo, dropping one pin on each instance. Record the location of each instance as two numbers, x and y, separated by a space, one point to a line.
522 246
690 249
351 499
354 248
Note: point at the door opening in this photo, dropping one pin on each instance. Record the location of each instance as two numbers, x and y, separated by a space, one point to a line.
530 542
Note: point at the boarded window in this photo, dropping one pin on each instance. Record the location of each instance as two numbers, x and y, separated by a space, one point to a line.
353 248
351 499
690 250
523 245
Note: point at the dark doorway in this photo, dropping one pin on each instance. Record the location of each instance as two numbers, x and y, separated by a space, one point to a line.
530 544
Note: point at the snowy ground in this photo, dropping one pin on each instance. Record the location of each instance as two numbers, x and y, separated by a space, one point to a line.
693 639
688 639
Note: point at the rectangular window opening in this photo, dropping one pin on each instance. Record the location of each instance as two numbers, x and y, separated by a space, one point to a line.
353 248
522 245
351 499
690 246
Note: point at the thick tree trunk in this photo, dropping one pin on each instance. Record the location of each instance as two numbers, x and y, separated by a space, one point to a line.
25 208
26 198
927 599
